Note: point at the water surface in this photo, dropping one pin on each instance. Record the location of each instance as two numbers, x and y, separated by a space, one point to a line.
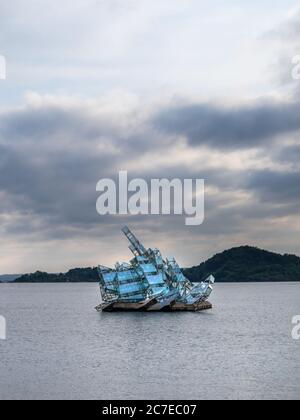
59 347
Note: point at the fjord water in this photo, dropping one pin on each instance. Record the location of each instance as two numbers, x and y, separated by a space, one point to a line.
59 347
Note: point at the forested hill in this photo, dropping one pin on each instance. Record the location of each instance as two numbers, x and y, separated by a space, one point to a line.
76 275
243 264
8 277
248 264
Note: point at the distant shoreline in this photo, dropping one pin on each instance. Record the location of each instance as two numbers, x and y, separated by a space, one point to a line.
243 264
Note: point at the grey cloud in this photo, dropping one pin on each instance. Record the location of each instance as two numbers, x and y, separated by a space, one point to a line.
48 176
276 187
230 128
290 154
44 123
51 158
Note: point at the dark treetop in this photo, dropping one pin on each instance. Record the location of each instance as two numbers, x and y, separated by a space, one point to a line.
248 264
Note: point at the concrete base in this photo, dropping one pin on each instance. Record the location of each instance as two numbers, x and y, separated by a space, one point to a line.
153 306
196 307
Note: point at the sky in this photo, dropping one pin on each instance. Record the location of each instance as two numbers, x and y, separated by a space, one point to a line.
175 89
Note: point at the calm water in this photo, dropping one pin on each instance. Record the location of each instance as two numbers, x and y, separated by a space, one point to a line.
58 346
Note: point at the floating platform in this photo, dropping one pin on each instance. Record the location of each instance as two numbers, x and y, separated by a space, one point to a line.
153 306
193 307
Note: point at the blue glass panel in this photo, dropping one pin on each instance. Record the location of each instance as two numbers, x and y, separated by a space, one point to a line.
109 277
148 268
130 287
155 279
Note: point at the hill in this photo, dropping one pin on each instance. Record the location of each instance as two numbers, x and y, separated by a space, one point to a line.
8 277
75 275
242 264
248 264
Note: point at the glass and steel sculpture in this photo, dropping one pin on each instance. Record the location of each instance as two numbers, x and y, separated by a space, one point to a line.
150 283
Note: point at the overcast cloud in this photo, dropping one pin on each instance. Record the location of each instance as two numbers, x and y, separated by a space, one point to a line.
141 89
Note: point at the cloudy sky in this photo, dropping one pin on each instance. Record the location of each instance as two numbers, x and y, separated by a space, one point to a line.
176 89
